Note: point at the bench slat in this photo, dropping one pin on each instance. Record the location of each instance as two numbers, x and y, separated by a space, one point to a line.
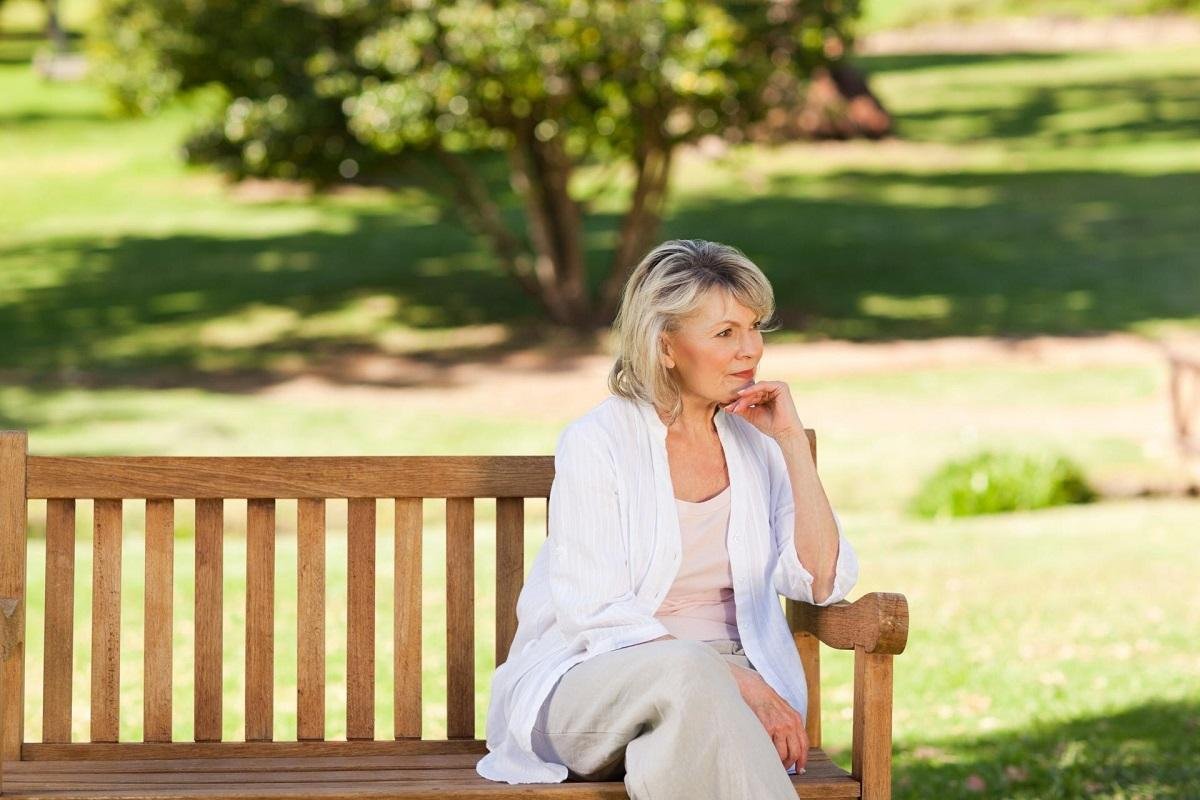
260 619
510 570
353 776
158 619
817 761
250 764
460 618
60 621
360 626
104 751
210 526
278 477
310 636
106 619
407 634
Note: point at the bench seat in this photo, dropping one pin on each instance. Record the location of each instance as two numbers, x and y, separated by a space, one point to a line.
344 776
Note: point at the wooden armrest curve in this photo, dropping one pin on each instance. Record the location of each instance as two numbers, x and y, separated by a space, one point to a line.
876 622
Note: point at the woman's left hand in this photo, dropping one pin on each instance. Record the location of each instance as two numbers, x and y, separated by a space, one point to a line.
768 406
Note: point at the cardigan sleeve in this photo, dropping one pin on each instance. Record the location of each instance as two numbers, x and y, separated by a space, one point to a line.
589 576
789 577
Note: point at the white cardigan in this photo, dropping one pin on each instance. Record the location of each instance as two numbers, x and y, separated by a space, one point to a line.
613 551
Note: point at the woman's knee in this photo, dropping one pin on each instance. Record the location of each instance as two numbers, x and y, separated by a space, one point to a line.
690 665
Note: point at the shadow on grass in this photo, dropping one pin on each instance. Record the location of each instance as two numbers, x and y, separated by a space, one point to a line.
908 62
138 304
888 255
1146 751
1078 116
857 254
19 47
892 254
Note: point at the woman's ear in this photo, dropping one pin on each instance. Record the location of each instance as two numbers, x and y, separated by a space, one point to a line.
668 359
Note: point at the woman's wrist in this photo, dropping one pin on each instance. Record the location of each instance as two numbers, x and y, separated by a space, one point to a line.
790 436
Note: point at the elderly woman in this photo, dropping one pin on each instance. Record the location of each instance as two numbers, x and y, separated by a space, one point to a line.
651 645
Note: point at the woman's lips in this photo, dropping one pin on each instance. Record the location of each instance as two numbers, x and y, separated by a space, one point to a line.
747 374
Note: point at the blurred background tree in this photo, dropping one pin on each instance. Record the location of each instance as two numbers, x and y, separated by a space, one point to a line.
324 90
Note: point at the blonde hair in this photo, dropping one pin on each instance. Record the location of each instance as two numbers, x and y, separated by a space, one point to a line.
668 285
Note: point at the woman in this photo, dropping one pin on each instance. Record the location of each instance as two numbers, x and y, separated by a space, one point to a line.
651 645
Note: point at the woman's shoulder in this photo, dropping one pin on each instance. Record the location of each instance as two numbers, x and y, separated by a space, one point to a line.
608 418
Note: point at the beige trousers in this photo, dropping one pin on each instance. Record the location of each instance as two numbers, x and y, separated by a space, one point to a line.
666 717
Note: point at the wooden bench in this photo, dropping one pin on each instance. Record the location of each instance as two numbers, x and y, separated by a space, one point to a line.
368 763
1185 400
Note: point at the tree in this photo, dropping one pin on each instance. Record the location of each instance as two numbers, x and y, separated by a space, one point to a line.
318 88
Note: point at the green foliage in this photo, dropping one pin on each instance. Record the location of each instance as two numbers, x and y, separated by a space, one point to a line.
990 482
313 86
283 70
602 75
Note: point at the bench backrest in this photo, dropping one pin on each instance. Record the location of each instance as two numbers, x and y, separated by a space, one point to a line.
403 481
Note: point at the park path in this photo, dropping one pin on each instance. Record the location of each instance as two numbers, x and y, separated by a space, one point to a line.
552 376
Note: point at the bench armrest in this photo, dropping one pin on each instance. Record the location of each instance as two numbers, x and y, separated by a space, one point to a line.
876 622
875 627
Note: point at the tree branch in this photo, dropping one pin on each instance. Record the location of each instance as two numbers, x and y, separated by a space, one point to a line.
472 195
640 223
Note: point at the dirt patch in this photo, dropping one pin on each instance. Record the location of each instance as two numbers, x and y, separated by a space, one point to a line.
544 378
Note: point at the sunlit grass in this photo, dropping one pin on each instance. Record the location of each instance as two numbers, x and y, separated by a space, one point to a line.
1030 193
884 14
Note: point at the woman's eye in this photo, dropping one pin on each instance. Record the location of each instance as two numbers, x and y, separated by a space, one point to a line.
755 325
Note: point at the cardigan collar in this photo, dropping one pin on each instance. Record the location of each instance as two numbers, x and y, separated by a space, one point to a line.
660 428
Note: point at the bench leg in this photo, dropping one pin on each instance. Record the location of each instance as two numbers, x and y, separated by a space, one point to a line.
872 739
10 637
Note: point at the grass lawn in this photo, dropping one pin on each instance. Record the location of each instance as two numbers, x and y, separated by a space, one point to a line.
884 14
1031 194
1052 654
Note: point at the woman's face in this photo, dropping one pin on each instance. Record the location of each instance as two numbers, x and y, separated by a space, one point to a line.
716 341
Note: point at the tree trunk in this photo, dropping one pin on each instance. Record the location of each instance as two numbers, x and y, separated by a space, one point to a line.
472 196
555 272
639 226
541 175
54 31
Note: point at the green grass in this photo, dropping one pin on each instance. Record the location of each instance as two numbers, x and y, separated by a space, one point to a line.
885 14
1029 194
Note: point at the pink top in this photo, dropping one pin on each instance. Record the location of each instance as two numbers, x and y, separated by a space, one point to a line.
699 605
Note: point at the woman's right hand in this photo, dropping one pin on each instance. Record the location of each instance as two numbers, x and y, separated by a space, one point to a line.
783 723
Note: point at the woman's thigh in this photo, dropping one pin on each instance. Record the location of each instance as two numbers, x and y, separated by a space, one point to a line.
598 706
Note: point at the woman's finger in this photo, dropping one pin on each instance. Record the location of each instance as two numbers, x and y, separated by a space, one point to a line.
795 751
781 746
759 395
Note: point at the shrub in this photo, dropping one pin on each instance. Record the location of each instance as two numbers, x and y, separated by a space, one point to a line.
990 482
